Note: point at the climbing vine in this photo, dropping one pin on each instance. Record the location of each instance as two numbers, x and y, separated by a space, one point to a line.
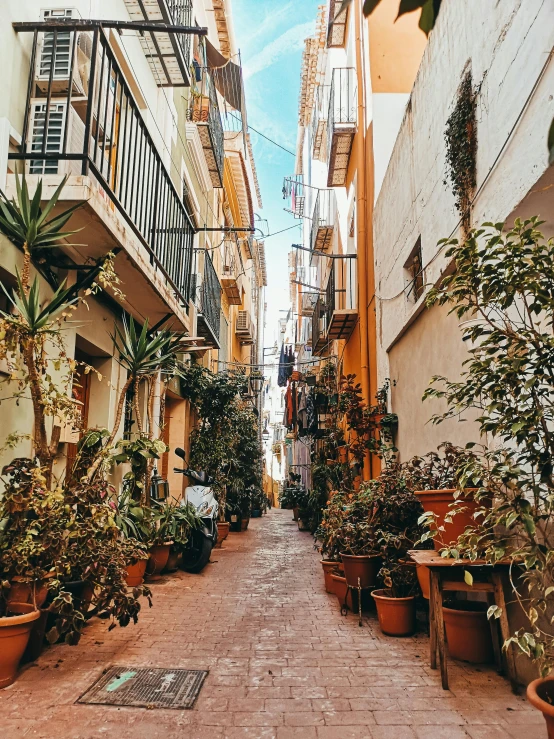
461 148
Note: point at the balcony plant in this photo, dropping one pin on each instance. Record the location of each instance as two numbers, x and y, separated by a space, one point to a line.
503 283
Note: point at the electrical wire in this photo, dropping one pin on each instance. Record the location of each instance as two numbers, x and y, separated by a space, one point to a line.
268 236
251 128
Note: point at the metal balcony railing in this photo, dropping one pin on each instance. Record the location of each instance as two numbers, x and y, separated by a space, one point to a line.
209 305
318 332
323 220
341 299
294 190
180 14
231 268
341 124
204 111
81 119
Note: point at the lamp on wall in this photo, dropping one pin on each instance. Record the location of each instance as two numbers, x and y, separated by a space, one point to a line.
256 380
159 488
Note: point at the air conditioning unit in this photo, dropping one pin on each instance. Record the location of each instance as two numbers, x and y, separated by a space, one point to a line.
244 328
55 51
54 135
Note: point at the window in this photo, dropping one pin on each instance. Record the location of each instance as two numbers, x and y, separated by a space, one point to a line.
415 273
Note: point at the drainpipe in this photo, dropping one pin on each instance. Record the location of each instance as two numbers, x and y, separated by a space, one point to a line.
362 231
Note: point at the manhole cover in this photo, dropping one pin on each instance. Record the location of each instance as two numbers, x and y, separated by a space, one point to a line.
149 687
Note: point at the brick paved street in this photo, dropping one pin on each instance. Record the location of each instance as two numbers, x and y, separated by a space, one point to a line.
283 663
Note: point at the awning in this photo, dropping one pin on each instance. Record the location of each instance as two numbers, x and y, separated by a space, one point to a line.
227 77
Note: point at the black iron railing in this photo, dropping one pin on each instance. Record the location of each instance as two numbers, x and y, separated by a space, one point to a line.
204 110
209 299
180 13
323 220
319 120
317 327
81 118
342 101
341 289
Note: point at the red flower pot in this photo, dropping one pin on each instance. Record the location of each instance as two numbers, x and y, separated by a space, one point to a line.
15 630
540 694
424 579
159 554
342 591
396 615
135 573
361 567
438 502
222 532
468 632
328 568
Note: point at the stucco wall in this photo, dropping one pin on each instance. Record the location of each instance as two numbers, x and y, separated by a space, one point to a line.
506 51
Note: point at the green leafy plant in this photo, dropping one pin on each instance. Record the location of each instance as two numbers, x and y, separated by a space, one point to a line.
503 284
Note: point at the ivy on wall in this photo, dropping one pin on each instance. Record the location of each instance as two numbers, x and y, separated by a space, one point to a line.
461 148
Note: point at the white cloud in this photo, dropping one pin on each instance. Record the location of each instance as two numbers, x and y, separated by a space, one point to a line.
290 41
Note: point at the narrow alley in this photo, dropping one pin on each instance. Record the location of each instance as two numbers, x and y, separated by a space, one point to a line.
282 662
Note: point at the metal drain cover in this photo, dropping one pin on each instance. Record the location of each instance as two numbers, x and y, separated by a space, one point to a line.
149 687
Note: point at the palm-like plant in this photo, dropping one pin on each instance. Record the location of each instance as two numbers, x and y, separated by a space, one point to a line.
27 225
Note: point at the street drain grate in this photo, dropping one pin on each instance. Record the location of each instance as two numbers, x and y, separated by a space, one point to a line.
148 687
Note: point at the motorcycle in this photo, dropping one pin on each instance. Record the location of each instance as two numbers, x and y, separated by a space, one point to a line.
196 553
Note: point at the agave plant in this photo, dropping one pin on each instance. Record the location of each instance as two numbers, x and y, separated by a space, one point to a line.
27 225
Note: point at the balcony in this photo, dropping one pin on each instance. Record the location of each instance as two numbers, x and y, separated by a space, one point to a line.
323 220
337 22
244 328
208 304
230 272
81 120
204 111
319 122
341 311
341 124
168 54
335 313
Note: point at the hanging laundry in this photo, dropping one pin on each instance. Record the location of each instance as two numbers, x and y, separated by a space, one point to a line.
282 373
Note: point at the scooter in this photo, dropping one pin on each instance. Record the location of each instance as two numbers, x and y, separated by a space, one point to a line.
196 553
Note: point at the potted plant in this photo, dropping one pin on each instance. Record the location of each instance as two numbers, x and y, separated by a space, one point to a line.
540 693
16 622
396 601
468 631
498 283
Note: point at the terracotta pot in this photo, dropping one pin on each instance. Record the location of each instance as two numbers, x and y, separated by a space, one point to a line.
14 635
363 567
135 573
235 522
295 513
468 631
396 615
22 592
328 568
438 501
296 376
540 694
159 554
424 578
245 520
342 591
222 533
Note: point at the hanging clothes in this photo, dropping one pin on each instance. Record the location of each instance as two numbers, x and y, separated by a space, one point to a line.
311 415
288 408
290 362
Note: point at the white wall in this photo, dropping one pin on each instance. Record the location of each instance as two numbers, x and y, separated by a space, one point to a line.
388 113
506 50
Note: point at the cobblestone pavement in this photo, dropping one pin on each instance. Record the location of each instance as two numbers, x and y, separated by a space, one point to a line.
283 663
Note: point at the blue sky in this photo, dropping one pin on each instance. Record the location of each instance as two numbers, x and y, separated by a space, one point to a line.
270 37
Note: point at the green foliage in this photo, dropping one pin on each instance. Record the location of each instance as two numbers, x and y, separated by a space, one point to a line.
140 352
137 453
504 284
461 147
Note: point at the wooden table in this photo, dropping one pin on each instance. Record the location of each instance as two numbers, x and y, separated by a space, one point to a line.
446 575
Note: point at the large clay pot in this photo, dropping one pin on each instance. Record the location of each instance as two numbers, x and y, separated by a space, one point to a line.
424 579
468 631
15 629
361 567
439 501
135 573
396 615
342 591
540 693
245 520
295 513
222 533
159 554
328 567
